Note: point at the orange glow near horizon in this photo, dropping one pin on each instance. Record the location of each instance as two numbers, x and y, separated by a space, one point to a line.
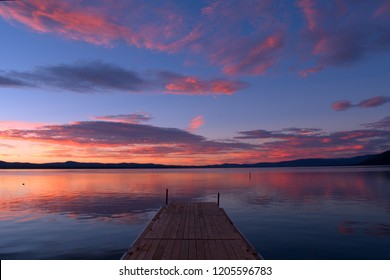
25 151
117 141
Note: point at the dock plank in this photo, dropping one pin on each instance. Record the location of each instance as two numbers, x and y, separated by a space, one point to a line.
191 230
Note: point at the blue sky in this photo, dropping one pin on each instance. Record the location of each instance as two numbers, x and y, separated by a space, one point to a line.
193 82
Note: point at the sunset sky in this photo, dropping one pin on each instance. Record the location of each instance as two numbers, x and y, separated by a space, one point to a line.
193 82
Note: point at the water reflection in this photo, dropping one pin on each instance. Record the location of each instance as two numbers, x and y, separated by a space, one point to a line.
354 227
57 214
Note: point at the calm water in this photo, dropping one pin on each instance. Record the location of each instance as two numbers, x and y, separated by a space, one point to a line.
286 213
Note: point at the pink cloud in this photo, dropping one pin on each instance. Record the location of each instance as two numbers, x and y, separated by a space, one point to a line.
103 22
5 125
195 123
256 59
310 12
177 84
339 32
383 10
341 105
69 20
374 102
368 103
305 73
241 37
165 28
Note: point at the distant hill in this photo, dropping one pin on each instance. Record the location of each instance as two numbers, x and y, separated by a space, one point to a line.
304 162
378 159
79 165
381 159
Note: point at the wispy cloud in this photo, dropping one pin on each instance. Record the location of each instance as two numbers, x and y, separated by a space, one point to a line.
382 124
5 125
340 32
342 105
179 84
254 59
383 10
69 19
196 123
134 118
84 77
101 22
376 101
306 72
243 38
98 76
6 146
6 81
312 141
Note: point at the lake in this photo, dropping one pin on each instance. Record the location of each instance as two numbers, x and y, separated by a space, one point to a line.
286 213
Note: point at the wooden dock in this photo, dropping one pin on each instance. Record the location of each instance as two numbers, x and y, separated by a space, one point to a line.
191 231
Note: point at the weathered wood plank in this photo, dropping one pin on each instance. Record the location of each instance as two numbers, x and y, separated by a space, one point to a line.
167 255
192 249
160 249
176 250
200 249
183 250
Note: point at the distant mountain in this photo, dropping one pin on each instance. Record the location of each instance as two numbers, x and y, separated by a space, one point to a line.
378 159
381 159
304 162
79 165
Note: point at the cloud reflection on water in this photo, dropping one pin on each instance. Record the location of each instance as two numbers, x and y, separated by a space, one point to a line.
312 205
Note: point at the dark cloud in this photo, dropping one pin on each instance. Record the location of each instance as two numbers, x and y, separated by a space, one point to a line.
125 118
315 141
98 76
382 124
6 81
376 101
298 130
105 133
278 134
259 134
84 77
111 133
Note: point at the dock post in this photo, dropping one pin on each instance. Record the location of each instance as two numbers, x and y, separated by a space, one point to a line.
218 200
166 197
